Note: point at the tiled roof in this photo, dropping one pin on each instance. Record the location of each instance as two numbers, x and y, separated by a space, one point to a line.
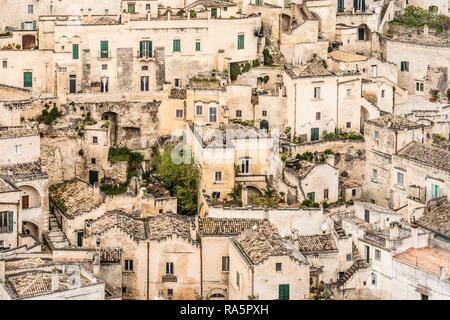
166 225
26 263
226 226
223 134
432 156
427 259
305 168
135 228
313 68
21 171
37 282
211 4
18 132
5 186
74 197
436 217
395 122
260 244
316 243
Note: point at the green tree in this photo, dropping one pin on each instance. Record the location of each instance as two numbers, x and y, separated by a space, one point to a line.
180 179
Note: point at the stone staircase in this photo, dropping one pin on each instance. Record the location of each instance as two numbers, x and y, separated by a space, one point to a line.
339 231
56 237
357 265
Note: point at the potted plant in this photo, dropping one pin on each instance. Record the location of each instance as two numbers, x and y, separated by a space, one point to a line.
434 94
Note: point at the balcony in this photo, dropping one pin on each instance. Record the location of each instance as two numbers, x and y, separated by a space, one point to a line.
145 55
169 278
371 237
104 55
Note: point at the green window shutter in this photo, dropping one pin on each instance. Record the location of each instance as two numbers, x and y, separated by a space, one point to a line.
150 48
355 4
10 222
314 134
75 47
363 5
34 25
22 26
131 8
214 13
435 191
104 51
283 292
241 41
197 45
141 49
176 45
28 79
238 279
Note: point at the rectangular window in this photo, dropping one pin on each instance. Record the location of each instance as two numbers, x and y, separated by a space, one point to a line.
377 254
145 83
340 6
179 113
241 41
104 49
80 235
131 8
5 64
225 264
264 113
316 92
375 175
104 67
238 279
148 7
400 179
435 191
376 135
349 93
367 216
30 9
283 292
145 49
238 113
94 140
382 93
177 83
6 222
104 84
361 34
404 66
278 266
259 2
325 194
245 166
213 12
212 114
197 45
176 45
218 176
26 202
128 265
311 196
349 257
317 115
75 47
28 79
353 192
373 71
18 149
348 125
170 293
93 161
419 86
199 110
170 268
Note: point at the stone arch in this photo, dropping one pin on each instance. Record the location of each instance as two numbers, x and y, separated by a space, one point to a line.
30 228
217 294
363 32
113 119
31 197
253 191
264 125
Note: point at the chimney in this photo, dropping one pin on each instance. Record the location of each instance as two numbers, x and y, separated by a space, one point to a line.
193 231
425 30
55 280
394 230
2 269
221 60
415 235
442 273
244 195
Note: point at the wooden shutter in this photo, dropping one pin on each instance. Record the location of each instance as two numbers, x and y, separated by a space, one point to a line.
28 79
10 222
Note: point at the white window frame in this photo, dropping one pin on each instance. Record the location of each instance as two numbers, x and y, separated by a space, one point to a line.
317 92
244 163
400 174
18 149
220 174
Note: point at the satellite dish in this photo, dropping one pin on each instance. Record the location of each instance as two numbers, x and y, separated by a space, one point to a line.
324 227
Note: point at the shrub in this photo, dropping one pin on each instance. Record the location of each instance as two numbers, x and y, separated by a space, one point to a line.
235 71
267 57
255 63
48 117
113 190
246 67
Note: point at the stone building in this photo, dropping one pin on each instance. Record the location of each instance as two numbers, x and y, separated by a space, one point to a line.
384 137
265 266
319 100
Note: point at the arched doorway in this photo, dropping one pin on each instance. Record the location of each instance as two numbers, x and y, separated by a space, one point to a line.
363 33
30 229
217 294
31 197
264 125
364 118
253 192
113 118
